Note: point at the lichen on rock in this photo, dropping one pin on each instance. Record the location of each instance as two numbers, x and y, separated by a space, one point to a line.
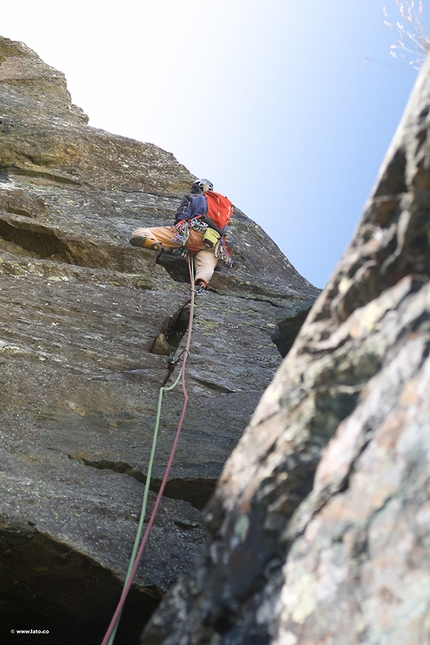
320 525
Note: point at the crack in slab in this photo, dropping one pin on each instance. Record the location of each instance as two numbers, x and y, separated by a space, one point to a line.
194 490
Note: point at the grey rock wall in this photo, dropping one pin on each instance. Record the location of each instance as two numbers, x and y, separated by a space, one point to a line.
80 311
320 523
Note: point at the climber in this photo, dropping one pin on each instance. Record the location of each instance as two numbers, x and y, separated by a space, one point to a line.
200 228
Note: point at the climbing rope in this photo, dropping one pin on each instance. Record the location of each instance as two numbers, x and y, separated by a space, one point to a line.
146 492
138 550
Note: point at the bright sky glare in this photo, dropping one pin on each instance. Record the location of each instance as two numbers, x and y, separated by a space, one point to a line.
287 106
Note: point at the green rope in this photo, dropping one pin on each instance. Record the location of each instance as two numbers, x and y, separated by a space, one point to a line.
146 491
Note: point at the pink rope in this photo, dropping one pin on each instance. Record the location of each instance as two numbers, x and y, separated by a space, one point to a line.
133 571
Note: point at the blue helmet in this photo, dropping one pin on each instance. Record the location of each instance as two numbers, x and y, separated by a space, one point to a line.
202 186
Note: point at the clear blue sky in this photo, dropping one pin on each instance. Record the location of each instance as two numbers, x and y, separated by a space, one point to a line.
276 102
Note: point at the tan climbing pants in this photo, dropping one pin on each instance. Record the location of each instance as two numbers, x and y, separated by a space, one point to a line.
205 261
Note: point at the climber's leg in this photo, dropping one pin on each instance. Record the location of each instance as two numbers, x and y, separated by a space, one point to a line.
205 263
148 238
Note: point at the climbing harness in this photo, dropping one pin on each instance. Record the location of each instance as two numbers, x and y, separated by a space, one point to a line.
218 242
139 548
182 229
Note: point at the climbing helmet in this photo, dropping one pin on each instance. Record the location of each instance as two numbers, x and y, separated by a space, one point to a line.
202 186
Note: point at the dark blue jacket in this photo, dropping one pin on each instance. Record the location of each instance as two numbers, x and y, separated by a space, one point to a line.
190 206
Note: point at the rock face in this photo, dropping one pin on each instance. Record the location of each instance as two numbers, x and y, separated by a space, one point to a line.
86 321
320 524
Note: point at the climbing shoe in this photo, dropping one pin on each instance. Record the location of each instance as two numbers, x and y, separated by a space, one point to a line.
200 287
145 243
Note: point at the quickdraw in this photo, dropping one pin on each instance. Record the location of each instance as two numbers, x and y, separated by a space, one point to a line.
223 253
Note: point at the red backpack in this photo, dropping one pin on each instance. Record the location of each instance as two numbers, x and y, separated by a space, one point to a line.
220 208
